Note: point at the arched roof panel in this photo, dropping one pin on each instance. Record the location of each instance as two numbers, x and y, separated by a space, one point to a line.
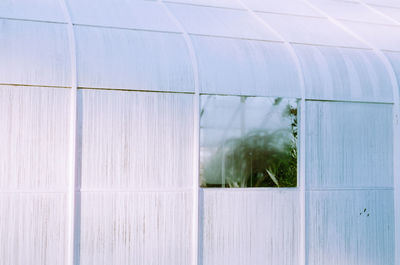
346 74
387 3
131 59
44 10
215 3
147 15
394 58
292 7
245 67
34 53
393 13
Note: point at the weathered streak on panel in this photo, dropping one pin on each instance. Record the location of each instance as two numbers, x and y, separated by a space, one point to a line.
350 227
349 145
136 228
32 229
136 139
34 138
250 227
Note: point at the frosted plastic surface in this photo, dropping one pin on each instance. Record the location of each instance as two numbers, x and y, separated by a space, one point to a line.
220 22
294 7
350 227
250 227
148 15
245 67
136 228
34 53
388 3
393 13
217 3
310 30
344 74
349 145
133 140
381 36
129 59
46 10
33 228
394 58
34 137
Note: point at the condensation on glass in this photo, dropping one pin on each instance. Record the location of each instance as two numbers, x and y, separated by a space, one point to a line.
248 141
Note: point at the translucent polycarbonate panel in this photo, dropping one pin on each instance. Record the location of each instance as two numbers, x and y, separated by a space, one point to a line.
310 30
387 3
350 227
136 228
33 228
381 36
134 140
250 227
148 15
393 13
349 145
34 53
129 59
294 7
216 3
349 11
221 22
248 142
245 67
34 140
344 74
394 59
45 10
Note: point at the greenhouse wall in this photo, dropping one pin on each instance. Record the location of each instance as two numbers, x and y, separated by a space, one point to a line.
109 108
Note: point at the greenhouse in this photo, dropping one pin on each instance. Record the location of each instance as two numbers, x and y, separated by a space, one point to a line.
199 132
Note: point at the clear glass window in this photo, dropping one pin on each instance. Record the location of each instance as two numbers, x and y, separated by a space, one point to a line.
248 141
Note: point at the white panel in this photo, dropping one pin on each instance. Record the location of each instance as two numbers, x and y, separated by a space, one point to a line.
387 3
221 22
394 13
134 140
34 137
217 3
349 11
349 145
310 30
381 36
32 229
129 59
46 10
344 74
294 7
350 227
136 228
250 227
34 53
121 13
231 66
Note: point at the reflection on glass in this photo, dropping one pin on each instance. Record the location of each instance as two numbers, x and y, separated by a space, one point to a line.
248 142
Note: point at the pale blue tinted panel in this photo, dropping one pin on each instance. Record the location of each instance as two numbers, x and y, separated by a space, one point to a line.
129 59
121 13
349 145
222 22
46 10
344 74
34 53
350 227
245 67
136 140
394 59
217 3
250 227
294 7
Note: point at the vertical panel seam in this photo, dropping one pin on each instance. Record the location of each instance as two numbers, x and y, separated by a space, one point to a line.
70 255
196 135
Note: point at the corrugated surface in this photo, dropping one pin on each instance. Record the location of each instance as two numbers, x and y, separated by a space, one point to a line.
220 22
34 53
32 229
250 227
294 7
129 59
136 139
136 228
46 10
344 74
351 228
349 145
394 59
121 13
245 67
33 137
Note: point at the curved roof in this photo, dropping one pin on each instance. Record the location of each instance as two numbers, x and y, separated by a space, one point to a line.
336 50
